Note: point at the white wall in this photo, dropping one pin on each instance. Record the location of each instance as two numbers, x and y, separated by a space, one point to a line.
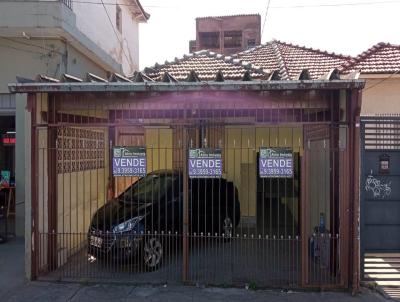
92 20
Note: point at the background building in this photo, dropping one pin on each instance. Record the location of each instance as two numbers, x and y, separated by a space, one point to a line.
227 34
52 38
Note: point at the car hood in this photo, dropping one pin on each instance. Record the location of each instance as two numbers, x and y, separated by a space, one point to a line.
115 212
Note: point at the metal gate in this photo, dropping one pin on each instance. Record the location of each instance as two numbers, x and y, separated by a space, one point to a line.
380 200
165 227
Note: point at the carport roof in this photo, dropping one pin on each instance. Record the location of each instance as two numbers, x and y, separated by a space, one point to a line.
199 71
255 85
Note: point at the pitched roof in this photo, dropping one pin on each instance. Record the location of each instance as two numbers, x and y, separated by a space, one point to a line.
292 59
207 66
381 58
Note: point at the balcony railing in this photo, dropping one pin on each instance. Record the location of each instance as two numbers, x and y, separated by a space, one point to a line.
68 3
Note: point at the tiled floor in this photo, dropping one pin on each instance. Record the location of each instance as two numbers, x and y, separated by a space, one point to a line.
384 270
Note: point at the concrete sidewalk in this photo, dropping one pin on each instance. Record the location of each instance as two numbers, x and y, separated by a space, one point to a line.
12 270
54 292
14 288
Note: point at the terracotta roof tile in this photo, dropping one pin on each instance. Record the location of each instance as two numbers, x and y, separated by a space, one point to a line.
381 58
291 59
206 64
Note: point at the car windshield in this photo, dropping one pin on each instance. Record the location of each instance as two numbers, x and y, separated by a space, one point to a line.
148 189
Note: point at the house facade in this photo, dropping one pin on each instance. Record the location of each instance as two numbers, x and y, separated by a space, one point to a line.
55 38
240 224
379 66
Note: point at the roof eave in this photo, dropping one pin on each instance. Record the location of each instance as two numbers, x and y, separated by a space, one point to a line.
144 16
255 85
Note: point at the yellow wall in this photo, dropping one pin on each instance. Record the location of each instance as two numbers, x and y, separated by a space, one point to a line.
241 147
158 148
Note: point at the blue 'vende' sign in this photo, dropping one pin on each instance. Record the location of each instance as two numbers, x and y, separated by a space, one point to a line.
276 162
205 163
129 161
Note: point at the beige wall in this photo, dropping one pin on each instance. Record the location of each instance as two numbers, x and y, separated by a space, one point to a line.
381 95
79 195
319 185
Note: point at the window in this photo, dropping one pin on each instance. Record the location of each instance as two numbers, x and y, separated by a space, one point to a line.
118 19
209 40
232 39
251 43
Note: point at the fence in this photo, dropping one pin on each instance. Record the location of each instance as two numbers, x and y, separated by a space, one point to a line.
234 229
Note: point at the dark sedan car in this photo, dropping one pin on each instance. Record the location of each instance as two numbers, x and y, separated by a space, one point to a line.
132 225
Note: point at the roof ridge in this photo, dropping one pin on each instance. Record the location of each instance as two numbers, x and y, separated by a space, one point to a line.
325 52
281 60
366 54
213 55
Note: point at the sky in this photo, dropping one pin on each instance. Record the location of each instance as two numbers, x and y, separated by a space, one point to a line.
341 26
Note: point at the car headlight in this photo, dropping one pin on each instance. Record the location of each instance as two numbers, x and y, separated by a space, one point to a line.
128 225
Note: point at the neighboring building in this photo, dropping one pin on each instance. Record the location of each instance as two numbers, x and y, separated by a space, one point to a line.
379 66
227 34
53 38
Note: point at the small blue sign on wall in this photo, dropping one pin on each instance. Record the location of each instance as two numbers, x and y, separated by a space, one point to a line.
276 162
205 163
129 161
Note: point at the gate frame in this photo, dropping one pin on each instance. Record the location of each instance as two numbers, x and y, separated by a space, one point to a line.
349 226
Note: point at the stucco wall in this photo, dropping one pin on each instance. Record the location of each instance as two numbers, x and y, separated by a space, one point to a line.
122 46
47 57
381 96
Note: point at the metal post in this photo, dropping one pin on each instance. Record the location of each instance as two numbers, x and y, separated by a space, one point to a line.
34 189
185 207
52 184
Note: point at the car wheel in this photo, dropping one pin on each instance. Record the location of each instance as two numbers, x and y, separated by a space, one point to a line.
227 227
152 253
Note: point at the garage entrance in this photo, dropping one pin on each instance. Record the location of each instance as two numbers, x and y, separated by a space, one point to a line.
380 200
209 187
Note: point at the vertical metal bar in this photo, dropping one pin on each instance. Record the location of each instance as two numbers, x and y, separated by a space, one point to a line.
304 216
362 197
